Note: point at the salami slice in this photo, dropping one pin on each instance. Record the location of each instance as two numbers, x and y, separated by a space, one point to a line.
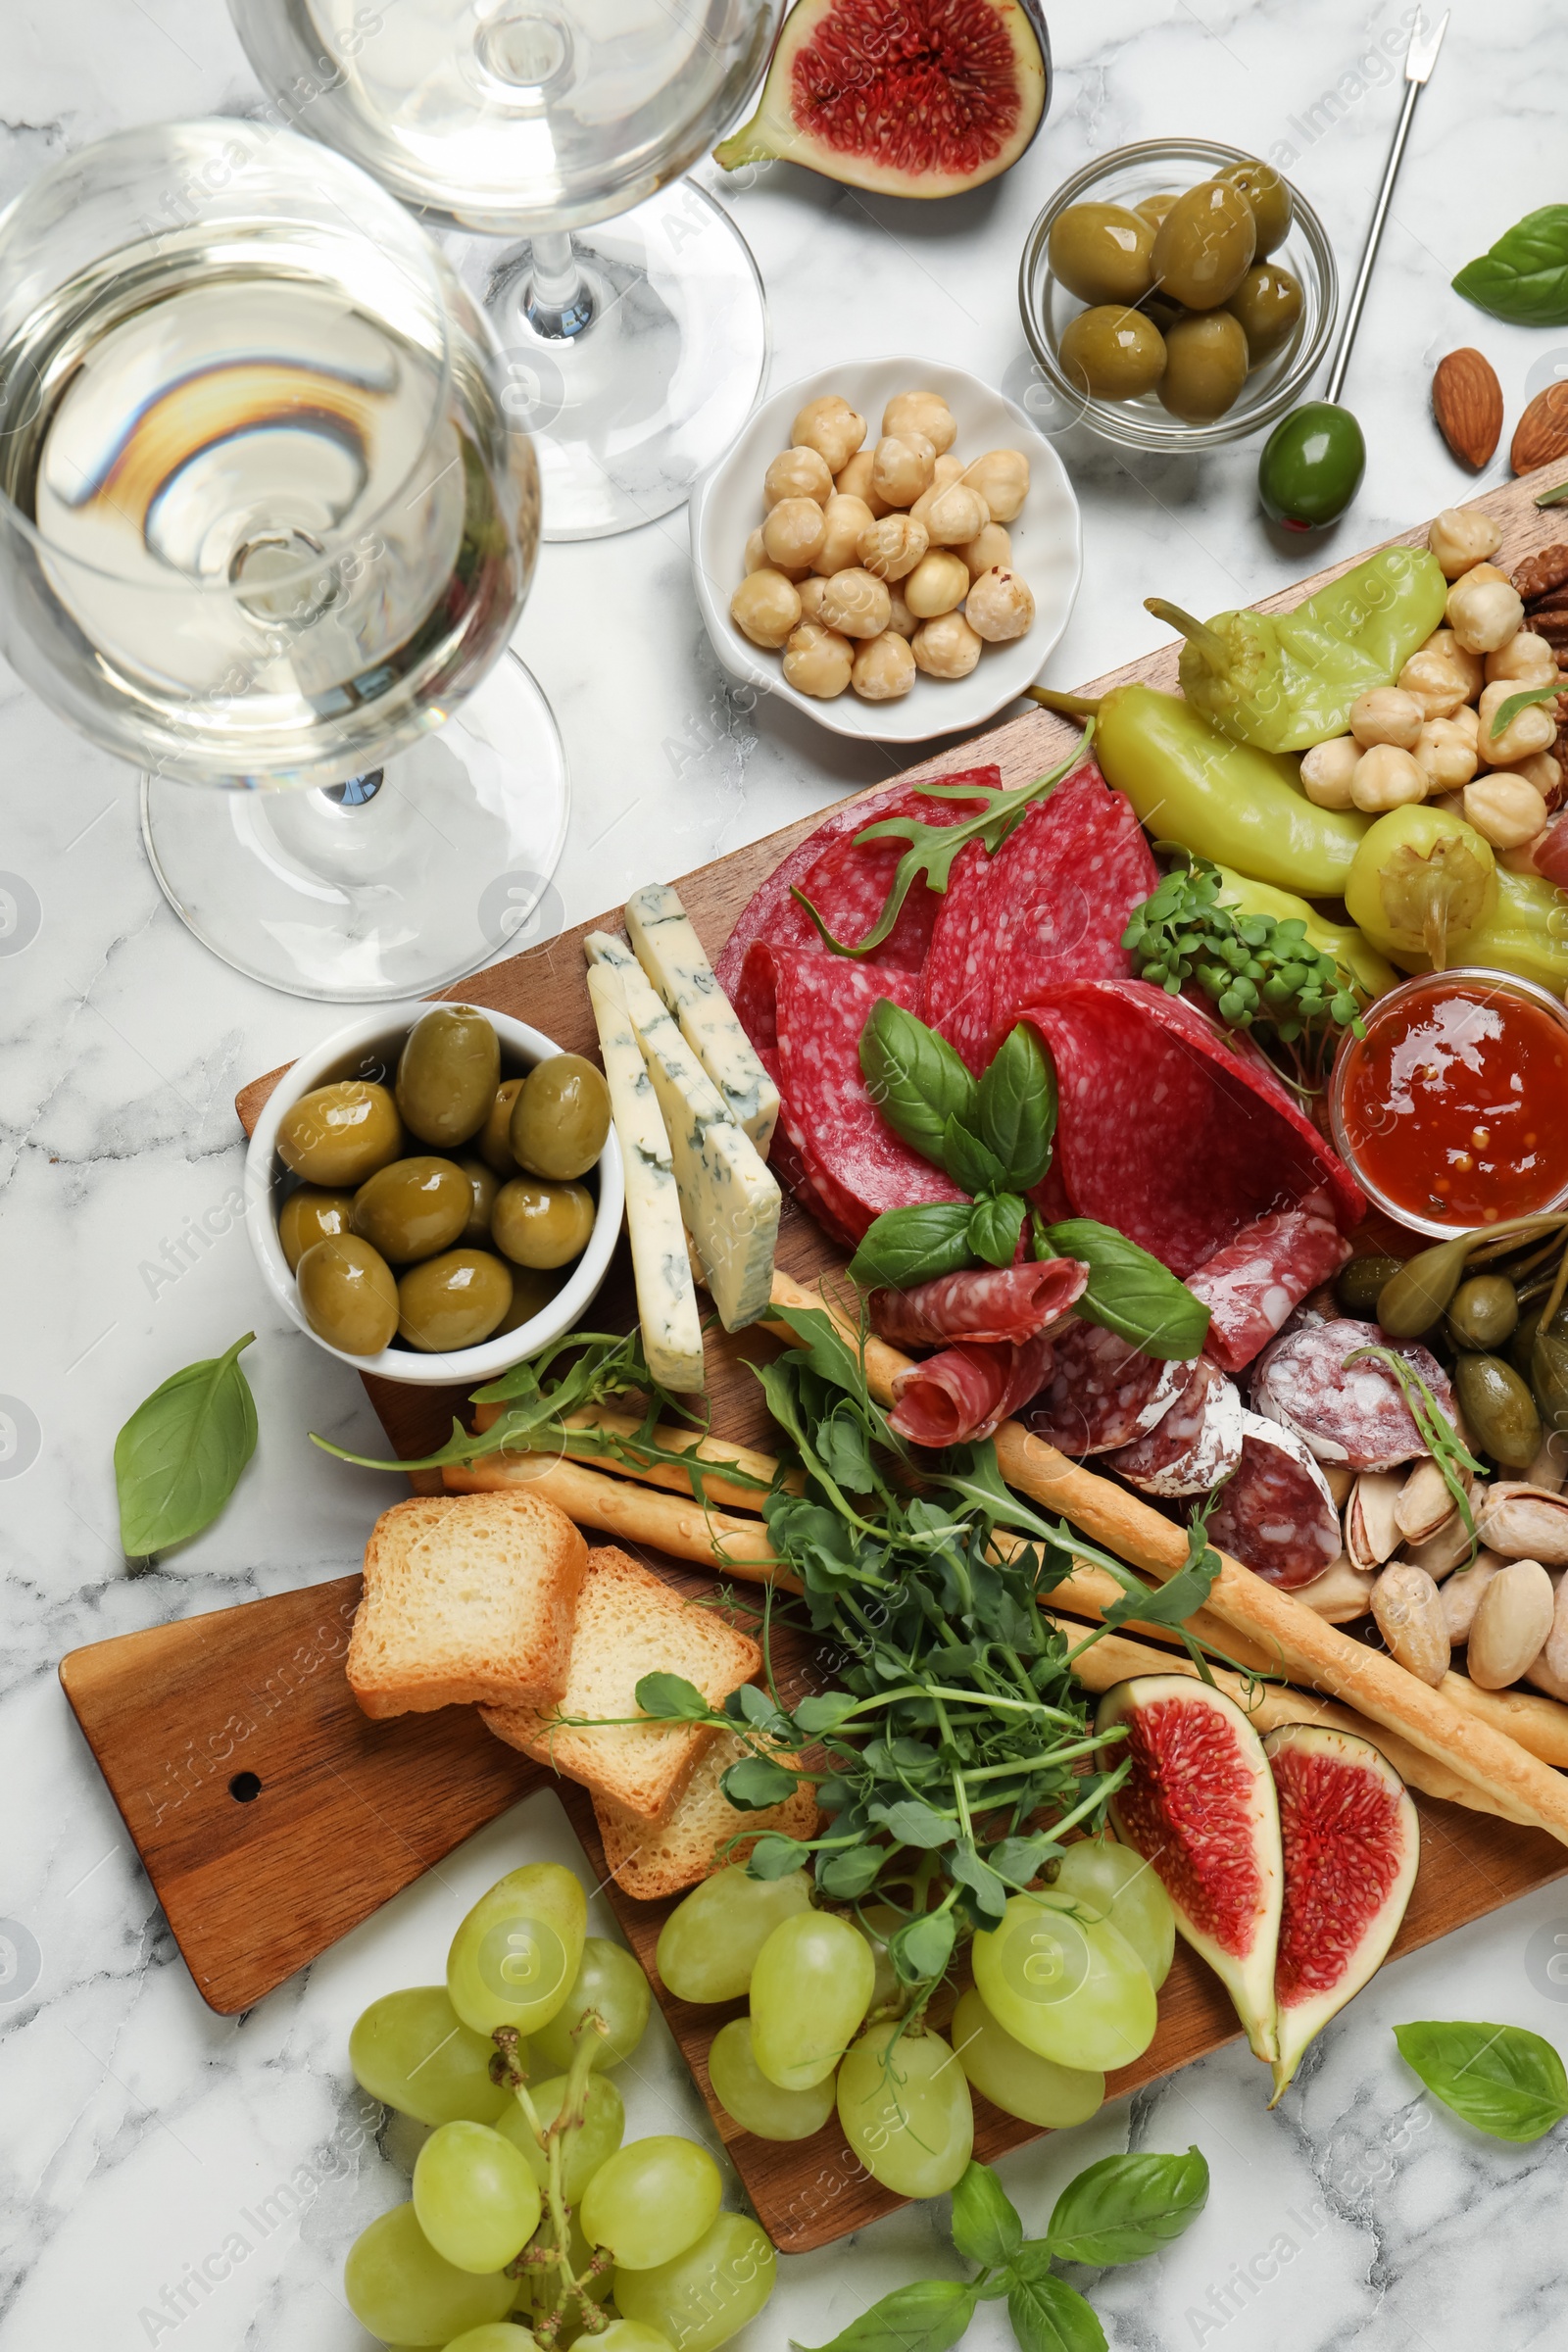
1195 1445
1168 1133
1356 1416
1275 1513
1103 1391
956 977
1250 1286
967 1391
996 1303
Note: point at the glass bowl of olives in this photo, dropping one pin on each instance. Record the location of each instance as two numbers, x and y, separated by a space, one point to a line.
1177 294
435 1192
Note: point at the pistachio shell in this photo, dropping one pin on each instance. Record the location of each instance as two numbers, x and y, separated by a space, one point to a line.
1371 1528
1554 1656
1341 1594
1549 1468
1448 1549
1512 1625
1340 1481
1524 1522
1408 1609
1425 1503
1540 1678
1462 1594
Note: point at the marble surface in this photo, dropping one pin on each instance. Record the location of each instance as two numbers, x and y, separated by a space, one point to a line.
144 2138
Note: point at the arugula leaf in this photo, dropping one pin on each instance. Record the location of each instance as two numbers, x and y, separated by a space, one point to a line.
1174 1601
986 2227
1506 712
1524 276
754 1784
973 1166
1017 1107
995 1226
1126 2207
672 1698
1504 2080
921 1948
904 1247
178 1458
825 1349
844 1449
1050 2316
913 1076
928 2317
1129 1293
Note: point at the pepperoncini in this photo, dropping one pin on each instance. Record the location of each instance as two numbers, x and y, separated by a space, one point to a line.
1423 888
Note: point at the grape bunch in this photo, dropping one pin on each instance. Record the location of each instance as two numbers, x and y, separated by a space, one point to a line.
529 2214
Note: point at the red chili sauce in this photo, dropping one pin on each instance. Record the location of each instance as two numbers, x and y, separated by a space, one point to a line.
1456 1106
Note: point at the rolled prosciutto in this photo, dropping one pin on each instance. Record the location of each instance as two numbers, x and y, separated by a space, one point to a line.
1000 1305
968 1389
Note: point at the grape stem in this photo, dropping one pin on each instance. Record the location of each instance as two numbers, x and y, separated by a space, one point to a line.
550 2248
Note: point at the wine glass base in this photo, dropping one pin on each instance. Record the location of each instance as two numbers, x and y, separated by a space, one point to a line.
628 412
388 887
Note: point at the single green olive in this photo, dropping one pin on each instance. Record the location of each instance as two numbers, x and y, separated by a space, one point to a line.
448 1074
542 1225
413 1208
338 1135
1268 304
1101 252
1498 1410
495 1147
452 1301
1521 1347
1312 465
1113 353
1206 366
483 1186
1482 1312
1160 312
348 1294
1153 209
309 1216
1358 1286
1205 245
1270 197
533 1289
561 1119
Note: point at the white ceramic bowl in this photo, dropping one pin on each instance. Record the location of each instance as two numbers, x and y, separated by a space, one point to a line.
369 1049
726 506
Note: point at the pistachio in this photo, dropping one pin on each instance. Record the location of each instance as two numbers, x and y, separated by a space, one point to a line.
1511 1624
1540 1678
1448 1549
1461 1596
1555 1654
1425 1503
1341 1484
1408 1609
1548 1468
1524 1522
1371 1527
1341 1594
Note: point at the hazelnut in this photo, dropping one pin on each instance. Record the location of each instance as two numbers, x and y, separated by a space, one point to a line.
846 518
901 468
794 531
1002 477
798 473
945 646
1531 729
1526 661
1386 777
924 412
1446 755
1461 537
854 481
855 605
1327 770
1438 684
765 606
891 546
955 515
758 558
1386 715
883 668
1505 811
901 620
1468 718
944 474
830 426
1000 606
817 660
1543 769
938 582
813 590
994 545
1485 609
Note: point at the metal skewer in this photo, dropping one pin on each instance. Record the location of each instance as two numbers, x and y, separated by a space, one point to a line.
1419 60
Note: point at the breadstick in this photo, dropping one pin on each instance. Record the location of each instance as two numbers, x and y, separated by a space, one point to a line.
1536 1721
760 1466
637 1514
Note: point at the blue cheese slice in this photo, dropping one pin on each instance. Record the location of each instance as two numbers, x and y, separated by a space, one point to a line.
728 1200
666 1297
671 954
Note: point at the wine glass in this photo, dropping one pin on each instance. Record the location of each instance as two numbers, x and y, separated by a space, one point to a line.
634 354
262 524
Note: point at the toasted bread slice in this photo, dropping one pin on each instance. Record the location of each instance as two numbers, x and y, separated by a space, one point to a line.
629 1623
466 1598
649 1859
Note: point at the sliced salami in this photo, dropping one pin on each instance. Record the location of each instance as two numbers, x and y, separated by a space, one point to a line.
967 1391
1195 1445
1353 1415
956 977
1103 1391
1275 1513
995 1303
1250 1286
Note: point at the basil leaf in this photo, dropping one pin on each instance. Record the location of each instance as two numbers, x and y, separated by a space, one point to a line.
1127 2206
913 1077
775 1858
995 1226
1524 276
1506 712
907 1245
973 1166
1017 1107
928 2317
923 1947
986 2227
1050 2316
177 1459
754 1786
1129 1292
670 1698
1504 2080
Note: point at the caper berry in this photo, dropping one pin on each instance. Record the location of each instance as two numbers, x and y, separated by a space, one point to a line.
1498 1410
1414 1300
561 1119
1482 1312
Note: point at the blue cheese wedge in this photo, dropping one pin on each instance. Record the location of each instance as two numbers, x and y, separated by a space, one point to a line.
666 1297
729 1201
671 954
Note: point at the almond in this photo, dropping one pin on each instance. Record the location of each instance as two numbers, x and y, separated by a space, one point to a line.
1467 402
1542 432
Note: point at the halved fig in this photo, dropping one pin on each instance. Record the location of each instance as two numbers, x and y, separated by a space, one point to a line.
1351 1844
907 97
1199 1806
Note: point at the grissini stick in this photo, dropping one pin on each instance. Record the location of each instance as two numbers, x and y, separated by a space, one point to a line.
721 1452
635 1513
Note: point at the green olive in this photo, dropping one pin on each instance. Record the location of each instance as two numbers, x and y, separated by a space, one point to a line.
340 1134
533 1289
1359 1285
483 1185
1114 354
495 1147
348 1294
413 1208
1270 197
452 1301
561 1119
542 1225
1206 366
310 1215
1312 465
1153 209
448 1075
1482 1312
1498 1410
1203 247
1160 312
1101 252
1268 304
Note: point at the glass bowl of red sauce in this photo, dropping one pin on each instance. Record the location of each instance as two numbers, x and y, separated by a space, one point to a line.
1451 1113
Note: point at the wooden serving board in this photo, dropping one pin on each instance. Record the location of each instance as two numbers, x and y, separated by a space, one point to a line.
257 1883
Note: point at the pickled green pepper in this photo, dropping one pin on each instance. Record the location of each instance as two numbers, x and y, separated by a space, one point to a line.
1423 888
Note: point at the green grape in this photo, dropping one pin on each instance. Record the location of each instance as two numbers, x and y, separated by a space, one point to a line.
1019 2082
810 1988
630 2335
476 2198
610 1980
497 2335
410 2050
1122 1886
651 2201
403 2291
906 2110
514 1956
878 1921
751 2101
1067 1987
596 2138
705 2295
539 2291
708 1945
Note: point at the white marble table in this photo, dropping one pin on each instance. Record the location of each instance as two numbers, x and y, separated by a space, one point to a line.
146 2142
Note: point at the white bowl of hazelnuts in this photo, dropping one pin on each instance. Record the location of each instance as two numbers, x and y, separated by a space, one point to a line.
891 546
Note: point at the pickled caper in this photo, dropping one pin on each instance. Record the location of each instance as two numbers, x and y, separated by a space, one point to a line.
452 1301
542 1225
1101 252
1267 304
1358 1286
483 1184
495 1147
1414 1300
1270 197
1204 246
413 1208
448 1074
561 1119
1498 1410
1482 1312
309 1216
348 1294
338 1135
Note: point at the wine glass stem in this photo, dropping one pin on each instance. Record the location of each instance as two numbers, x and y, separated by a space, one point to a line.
560 301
